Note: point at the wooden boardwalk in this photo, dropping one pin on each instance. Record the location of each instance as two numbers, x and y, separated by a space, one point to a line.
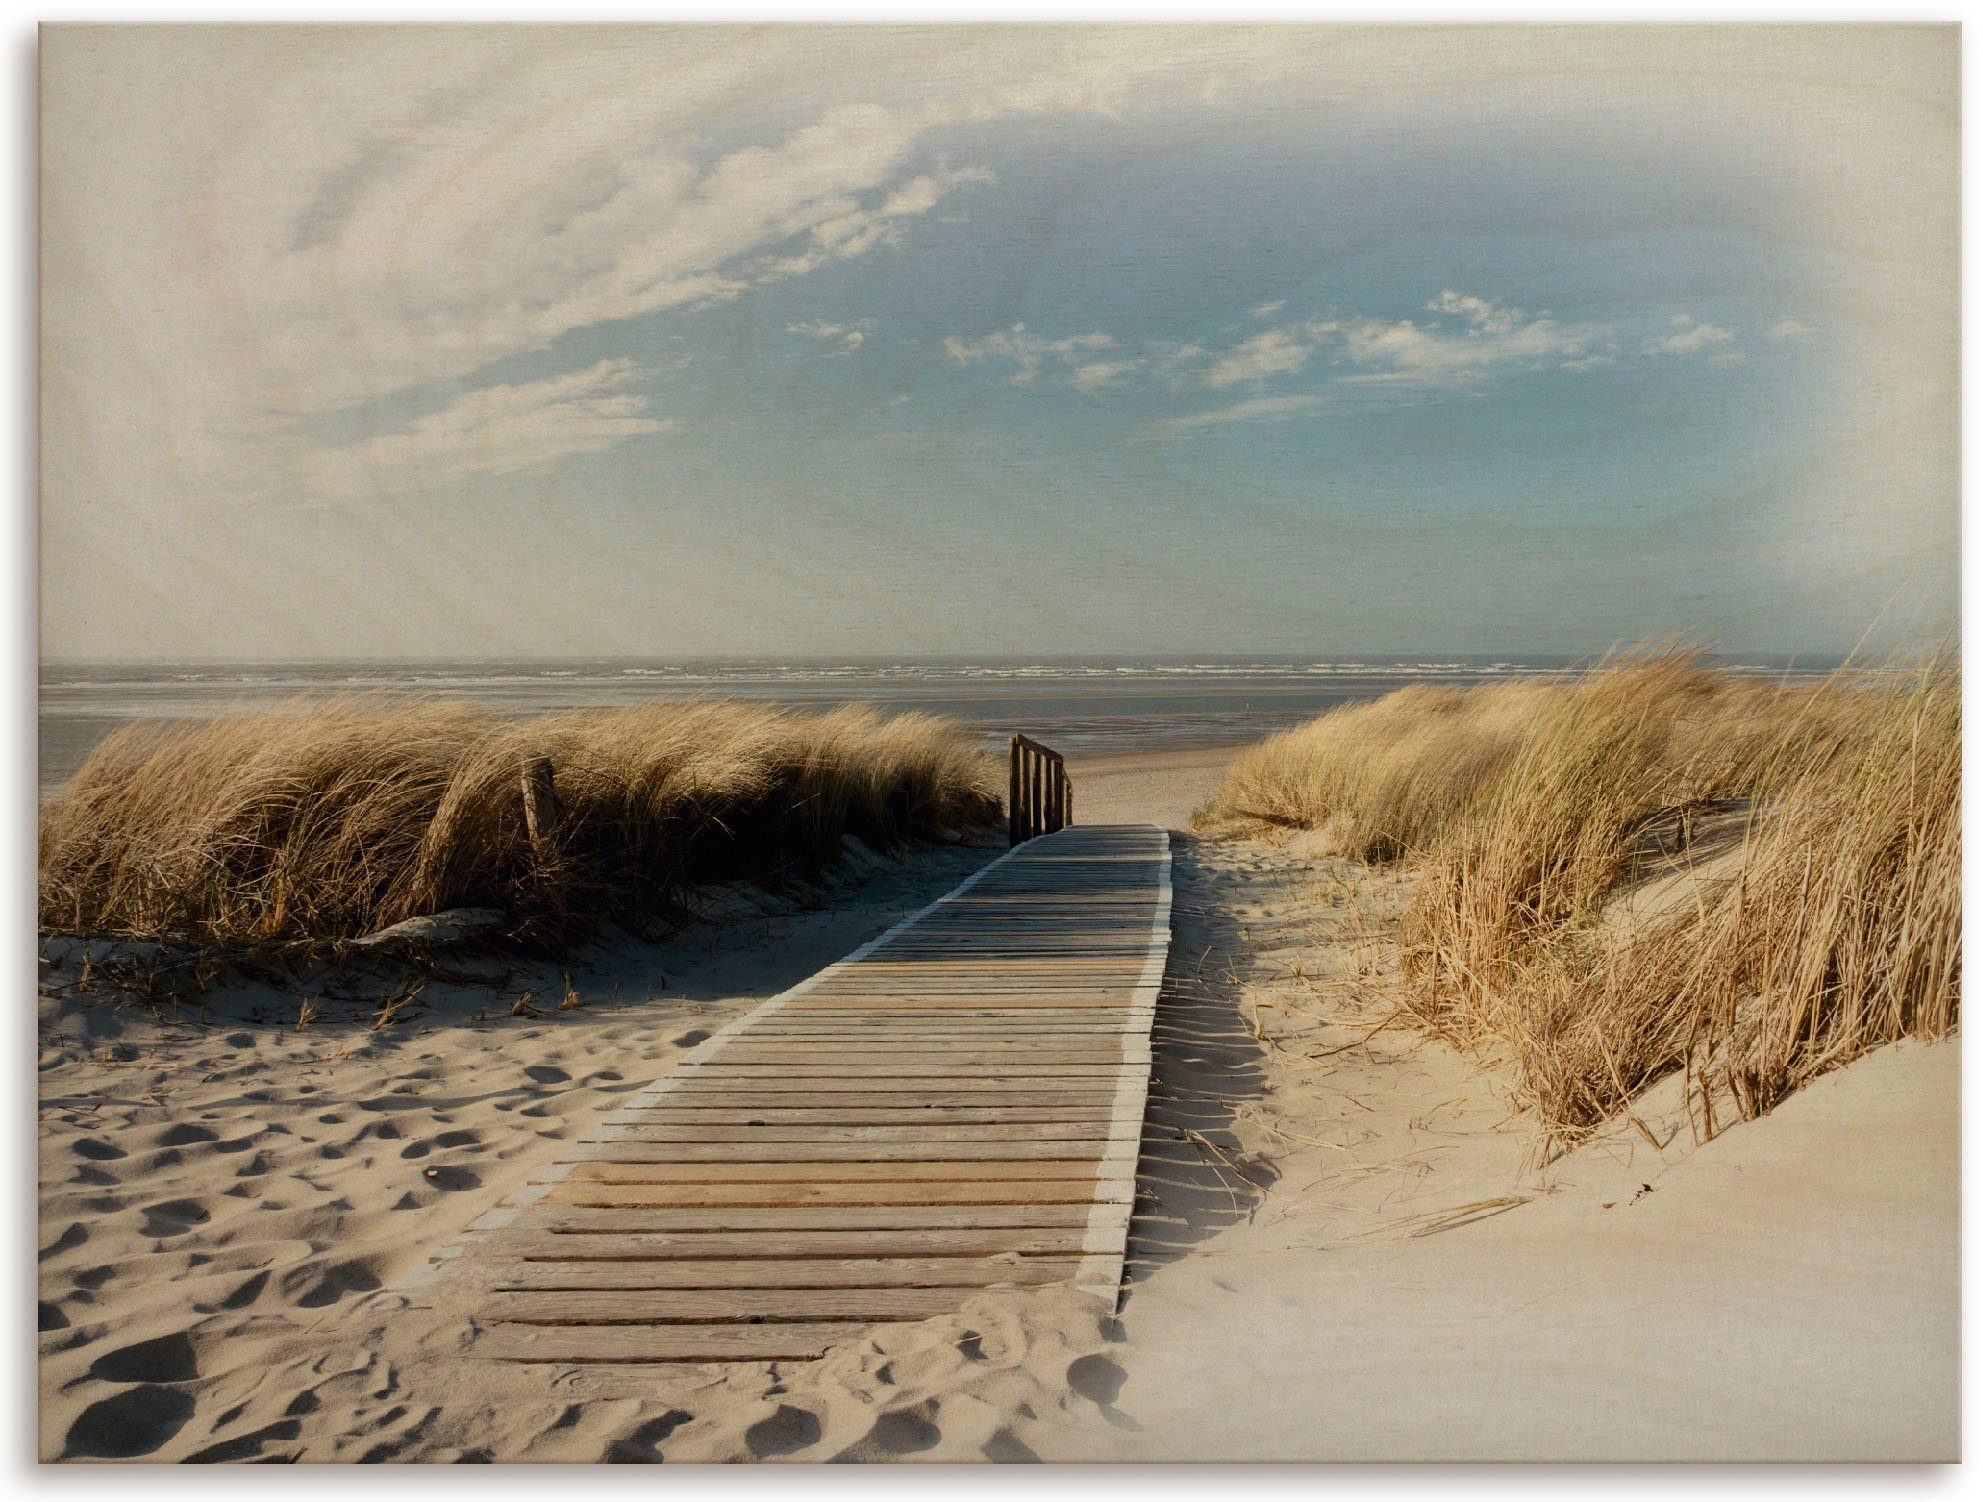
955 1106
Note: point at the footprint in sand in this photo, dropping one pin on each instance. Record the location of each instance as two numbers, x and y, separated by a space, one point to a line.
247 1292
1007 1448
906 1430
644 1442
128 1424
185 1134
173 1217
164 1358
1100 1381
785 1431
328 1285
248 1446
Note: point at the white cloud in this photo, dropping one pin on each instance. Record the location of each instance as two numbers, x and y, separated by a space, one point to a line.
1689 337
1489 335
1790 328
1276 352
1030 356
1254 409
1486 316
1467 337
846 338
410 210
1267 310
1102 373
853 231
497 430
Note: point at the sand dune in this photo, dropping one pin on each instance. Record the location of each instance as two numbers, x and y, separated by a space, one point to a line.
1341 1249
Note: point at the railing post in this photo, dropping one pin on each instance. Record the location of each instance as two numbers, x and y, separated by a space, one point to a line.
1039 787
1039 795
540 809
1012 835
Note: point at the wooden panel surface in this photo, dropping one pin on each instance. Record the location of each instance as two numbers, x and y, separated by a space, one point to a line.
956 1106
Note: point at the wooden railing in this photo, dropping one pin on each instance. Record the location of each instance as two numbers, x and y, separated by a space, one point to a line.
1041 797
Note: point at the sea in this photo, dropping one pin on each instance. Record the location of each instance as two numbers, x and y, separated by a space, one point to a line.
1080 707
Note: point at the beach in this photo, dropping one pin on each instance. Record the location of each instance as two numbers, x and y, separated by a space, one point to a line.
1342 1249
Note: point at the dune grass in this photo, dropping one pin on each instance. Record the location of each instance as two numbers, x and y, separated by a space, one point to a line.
327 819
1527 808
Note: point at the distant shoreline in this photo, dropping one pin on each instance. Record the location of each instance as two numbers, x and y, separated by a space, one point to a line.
1098 707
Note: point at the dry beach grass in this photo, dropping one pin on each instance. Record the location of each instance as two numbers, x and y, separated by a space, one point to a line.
1529 810
331 819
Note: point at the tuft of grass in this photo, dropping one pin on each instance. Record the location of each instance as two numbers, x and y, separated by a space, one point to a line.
1528 808
325 819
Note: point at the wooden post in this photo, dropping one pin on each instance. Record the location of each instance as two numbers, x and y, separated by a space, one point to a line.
1039 787
1012 835
1039 795
540 809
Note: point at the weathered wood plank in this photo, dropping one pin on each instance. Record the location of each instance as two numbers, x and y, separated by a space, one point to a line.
582 1218
826 1173
621 1194
989 1140
846 1114
819 1272
775 1245
756 1096
716 1306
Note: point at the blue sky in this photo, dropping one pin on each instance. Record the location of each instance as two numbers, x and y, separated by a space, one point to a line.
998 343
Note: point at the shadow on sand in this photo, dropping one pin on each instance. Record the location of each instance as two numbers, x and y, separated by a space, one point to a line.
1193 1179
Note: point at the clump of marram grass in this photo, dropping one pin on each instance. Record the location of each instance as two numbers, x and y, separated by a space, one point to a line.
1400 775
1526 808
323 819
1839 930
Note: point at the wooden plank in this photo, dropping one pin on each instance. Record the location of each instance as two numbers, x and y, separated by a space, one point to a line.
817 1272
844 1114
716 1306
927 1053
583 1218
621 1194
825 1072
989 1140
775 1245
936 1100
822 1173
934 1154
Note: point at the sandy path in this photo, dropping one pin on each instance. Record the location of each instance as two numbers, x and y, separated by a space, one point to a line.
1156 787
1368 1273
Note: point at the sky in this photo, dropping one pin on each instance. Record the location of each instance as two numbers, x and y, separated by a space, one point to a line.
993 342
